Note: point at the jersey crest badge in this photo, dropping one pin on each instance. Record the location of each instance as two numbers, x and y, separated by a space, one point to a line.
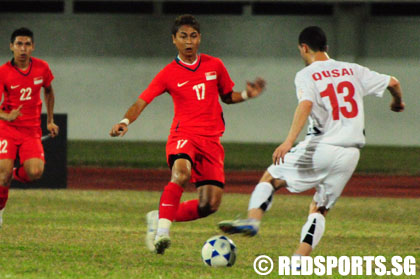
38 80
211 75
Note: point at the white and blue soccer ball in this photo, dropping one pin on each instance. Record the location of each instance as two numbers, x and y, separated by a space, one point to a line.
219 251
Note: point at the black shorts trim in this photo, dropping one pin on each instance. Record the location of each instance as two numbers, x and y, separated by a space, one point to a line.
174 157
210 182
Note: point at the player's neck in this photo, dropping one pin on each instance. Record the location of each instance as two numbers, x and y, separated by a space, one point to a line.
321 56
22 64
188 60
318 56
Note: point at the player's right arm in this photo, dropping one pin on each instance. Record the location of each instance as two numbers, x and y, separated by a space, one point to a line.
12 115
302 113
155 88
120 129
394 88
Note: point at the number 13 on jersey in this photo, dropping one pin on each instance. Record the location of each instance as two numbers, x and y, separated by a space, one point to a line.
331 93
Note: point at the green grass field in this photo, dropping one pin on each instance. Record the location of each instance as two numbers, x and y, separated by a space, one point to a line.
99 234
245 156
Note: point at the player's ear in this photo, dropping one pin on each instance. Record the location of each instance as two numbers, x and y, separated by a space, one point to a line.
173 39
11 46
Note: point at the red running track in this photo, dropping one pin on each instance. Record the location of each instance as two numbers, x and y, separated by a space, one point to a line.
236 182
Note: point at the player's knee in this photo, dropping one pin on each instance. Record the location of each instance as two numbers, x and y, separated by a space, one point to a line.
35 173
180 176
207 208
5 177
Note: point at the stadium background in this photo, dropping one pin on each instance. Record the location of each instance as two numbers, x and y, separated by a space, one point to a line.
105 53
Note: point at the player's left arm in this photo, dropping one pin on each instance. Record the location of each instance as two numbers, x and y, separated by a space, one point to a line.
394 87
299 120
253 89
49 98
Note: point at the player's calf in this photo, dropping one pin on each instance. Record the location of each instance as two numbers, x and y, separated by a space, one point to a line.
311 234
205 209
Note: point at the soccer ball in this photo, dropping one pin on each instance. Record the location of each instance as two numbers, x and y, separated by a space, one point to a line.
219 251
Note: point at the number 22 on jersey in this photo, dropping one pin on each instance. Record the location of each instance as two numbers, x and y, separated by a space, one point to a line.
25 94
331 93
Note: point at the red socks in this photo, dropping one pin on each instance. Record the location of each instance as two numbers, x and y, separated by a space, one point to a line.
187 211
20 175
4 195
171 209
169 201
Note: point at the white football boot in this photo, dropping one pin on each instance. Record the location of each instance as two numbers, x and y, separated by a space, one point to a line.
162 242
152 219
248 227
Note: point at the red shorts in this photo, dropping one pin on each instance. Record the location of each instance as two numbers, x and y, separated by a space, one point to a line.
205 154
26 141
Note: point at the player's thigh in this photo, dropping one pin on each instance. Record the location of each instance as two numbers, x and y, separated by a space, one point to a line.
330 189
8 144
303 168
6 169
209 164
179 147
32 148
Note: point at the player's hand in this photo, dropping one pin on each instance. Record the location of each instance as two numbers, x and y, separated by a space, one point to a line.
53 129
254 89
119 129
280 152
397 106
15 113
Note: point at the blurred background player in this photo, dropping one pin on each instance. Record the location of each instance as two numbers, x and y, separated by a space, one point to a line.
21 80
194 153
330 94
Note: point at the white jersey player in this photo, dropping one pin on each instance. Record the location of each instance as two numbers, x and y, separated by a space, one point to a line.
330 95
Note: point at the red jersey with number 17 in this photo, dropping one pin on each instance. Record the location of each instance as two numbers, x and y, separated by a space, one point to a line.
195 91
24 88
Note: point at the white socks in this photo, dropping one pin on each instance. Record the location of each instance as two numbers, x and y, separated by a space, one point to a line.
262 196
313 230
163 227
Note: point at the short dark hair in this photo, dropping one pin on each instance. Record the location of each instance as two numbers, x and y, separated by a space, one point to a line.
314 37
23 31
186 19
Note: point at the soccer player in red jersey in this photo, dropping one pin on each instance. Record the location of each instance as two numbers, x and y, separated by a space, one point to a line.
21 80
194 153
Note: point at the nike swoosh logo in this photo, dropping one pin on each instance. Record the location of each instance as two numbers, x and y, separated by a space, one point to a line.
182 84
167 204
14 86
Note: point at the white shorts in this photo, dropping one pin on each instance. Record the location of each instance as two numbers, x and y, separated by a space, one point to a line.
324 167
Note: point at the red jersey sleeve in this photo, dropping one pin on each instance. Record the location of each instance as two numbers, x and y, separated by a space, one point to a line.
155 88
225 82
48 77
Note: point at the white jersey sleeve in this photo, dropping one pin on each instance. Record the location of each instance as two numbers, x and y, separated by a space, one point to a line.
372 82
304 90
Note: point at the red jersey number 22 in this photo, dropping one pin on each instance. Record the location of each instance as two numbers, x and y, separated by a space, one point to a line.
331 93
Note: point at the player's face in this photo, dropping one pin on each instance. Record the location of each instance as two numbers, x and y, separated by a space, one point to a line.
22 48
187 41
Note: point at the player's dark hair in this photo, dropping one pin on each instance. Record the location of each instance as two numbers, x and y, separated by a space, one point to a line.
314 37
186 19
23 31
